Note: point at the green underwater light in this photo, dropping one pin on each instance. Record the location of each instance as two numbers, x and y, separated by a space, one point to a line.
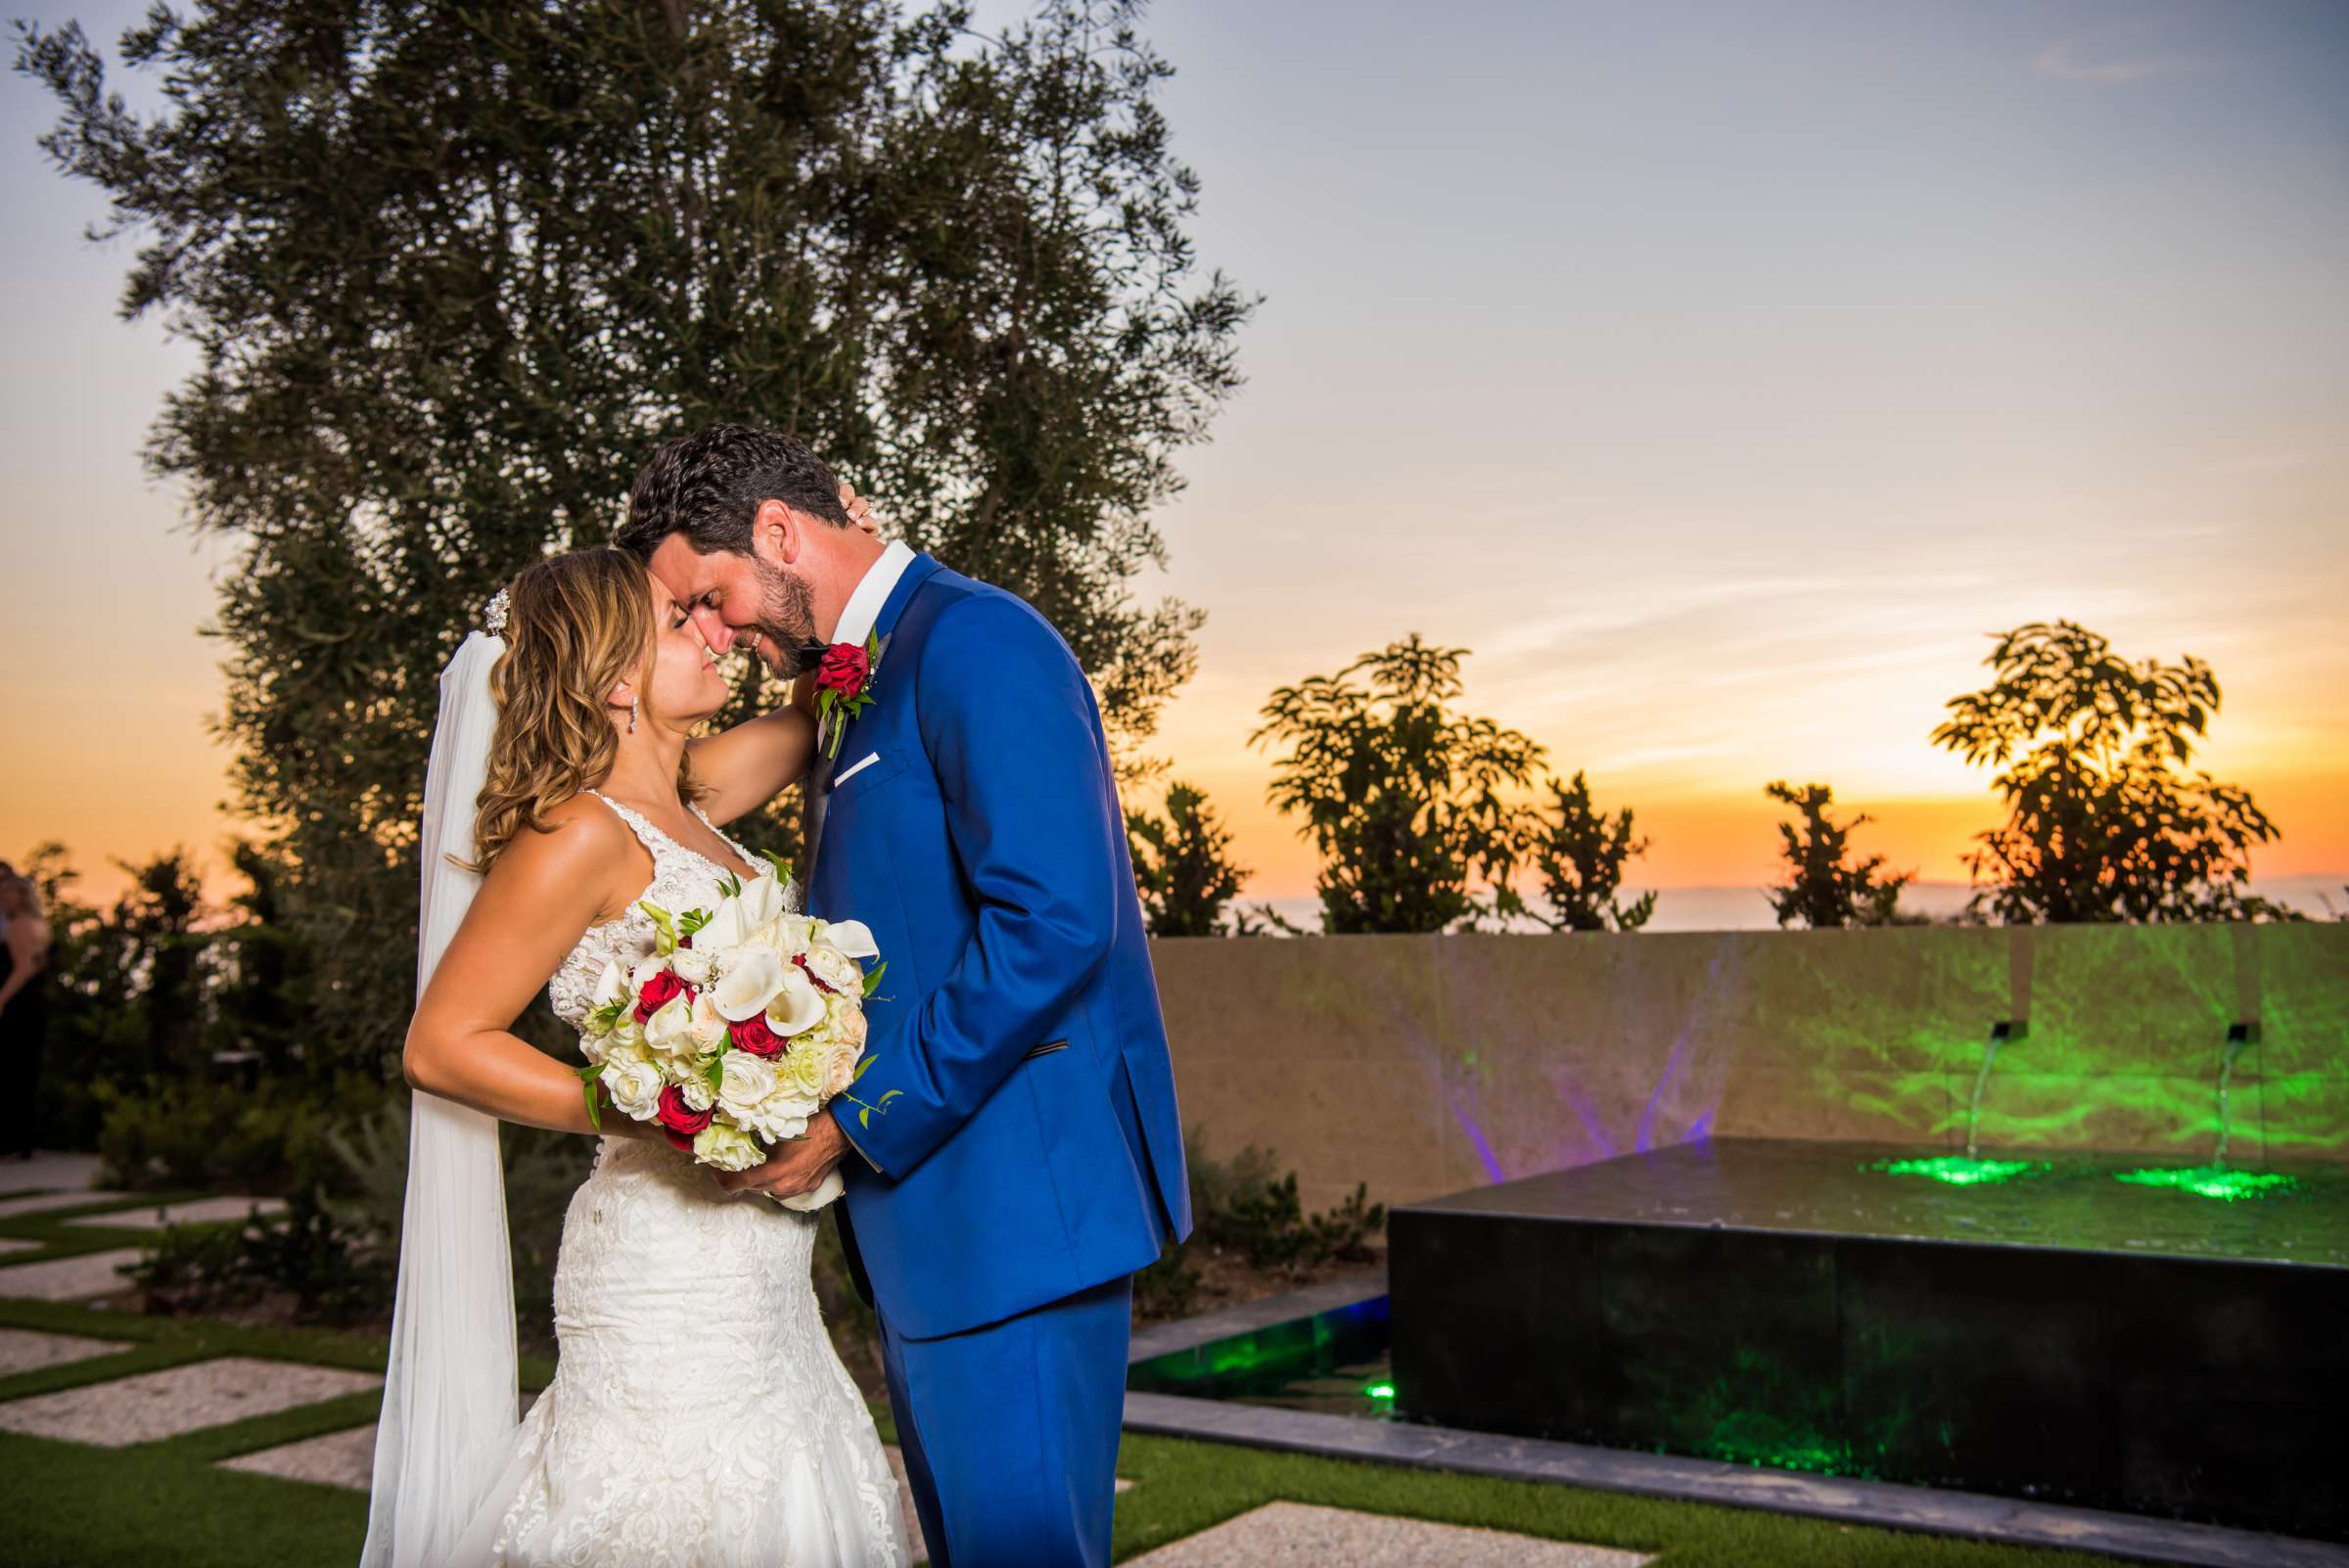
2212 1182
1958 1170
1380 1390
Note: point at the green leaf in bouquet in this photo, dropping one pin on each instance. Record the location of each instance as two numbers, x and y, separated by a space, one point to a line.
595 1110
716 1072
873 979
605 1018
664 925
891 1095
864 1118
589 1073
782 863
863 1067
692 921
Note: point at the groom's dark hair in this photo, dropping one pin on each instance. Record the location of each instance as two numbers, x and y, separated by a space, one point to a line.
707 486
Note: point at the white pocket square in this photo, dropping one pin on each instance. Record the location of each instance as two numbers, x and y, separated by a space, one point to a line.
870 757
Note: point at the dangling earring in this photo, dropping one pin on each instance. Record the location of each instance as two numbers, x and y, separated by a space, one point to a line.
632 702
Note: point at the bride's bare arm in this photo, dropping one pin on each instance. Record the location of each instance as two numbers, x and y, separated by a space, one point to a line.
744 767
539 897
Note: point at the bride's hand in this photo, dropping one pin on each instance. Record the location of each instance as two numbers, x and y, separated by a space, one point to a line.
860 510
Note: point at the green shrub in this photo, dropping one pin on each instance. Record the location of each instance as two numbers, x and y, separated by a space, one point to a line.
218 1136
330 1273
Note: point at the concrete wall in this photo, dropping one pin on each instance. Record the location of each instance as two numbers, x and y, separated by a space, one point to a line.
1424 1065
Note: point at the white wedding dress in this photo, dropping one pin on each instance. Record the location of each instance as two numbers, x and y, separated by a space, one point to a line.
698 1417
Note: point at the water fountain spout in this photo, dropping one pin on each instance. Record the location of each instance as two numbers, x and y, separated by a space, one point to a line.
2238 1036
2000 1032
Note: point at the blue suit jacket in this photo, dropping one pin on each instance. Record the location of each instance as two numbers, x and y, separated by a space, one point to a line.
1031 1148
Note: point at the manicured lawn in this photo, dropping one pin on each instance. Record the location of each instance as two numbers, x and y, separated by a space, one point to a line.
167 1505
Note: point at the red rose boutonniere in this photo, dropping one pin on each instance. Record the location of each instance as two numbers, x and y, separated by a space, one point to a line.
844 686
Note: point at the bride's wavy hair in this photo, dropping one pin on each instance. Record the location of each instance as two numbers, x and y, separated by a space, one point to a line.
577 626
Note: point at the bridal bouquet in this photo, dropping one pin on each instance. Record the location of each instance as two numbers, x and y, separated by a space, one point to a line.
745 1021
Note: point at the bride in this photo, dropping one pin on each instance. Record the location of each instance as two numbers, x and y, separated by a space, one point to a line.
698 1417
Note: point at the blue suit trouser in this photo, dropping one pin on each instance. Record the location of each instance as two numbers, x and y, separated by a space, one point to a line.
1010 1432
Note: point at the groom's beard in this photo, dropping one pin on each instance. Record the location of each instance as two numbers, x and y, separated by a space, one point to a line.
786 618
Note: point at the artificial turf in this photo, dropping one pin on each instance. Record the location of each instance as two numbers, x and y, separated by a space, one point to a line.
168 1504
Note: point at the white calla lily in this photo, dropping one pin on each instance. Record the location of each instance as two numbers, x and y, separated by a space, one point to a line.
726 928
753 978
851 937
797 1004
761 901
612 985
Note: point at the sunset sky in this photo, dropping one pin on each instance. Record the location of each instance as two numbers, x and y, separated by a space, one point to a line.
1721 375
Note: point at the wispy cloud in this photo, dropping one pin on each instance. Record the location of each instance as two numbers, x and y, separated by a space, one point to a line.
2107 57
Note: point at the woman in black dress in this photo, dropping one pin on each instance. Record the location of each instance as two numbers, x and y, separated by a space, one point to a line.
23 1010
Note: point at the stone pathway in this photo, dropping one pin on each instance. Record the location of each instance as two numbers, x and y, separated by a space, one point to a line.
204 1211
43 1202
93 1274
337 1459
1296 1535
50 1171
9 1244
177 1400
22 1351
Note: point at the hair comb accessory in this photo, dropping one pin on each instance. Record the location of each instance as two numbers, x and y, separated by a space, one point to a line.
494 618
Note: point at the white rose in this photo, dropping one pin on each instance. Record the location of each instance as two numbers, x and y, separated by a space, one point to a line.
670 1030
836 969
644 973
594 1046
745 1082
727 1147
634 1087
802 1070
692 965
626 1034
796 933
696 1091
783 1114
708 1024
840 1067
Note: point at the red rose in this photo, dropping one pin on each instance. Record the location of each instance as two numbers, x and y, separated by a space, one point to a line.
754 1036
842 669
814 978
658 992
679 1122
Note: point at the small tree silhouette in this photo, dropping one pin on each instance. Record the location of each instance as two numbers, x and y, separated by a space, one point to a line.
1822 887
1182 865
1577 854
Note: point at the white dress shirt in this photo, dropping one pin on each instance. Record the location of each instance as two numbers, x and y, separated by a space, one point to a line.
873 590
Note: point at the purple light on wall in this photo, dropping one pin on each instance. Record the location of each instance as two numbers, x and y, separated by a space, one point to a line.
1646 1138
1476 1135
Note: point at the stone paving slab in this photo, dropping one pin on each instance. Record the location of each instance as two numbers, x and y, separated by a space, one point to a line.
177 1400
43 1202
204 1211
69 1278
49 1170
1296 1535
21 1350
337 1459
9 1244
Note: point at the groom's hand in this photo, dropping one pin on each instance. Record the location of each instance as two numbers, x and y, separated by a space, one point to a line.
797 1166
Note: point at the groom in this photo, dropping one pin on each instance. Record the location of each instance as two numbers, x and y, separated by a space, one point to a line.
1027 1157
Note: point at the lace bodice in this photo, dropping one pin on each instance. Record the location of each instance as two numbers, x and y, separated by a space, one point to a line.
682 879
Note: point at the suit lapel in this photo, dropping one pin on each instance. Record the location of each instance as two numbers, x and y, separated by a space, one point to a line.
814 809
